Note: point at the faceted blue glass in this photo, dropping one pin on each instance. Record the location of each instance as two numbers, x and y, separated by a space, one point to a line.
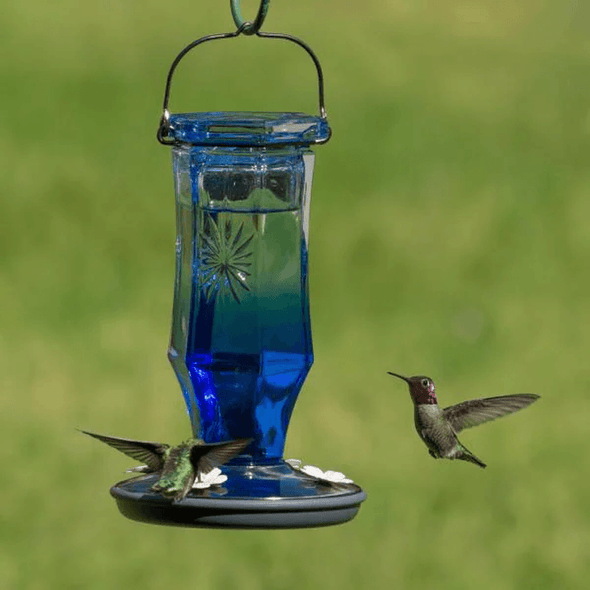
241 338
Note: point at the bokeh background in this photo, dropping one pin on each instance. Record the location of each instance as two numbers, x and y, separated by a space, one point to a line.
450 236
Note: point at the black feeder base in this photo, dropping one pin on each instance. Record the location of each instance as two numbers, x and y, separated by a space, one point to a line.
254 497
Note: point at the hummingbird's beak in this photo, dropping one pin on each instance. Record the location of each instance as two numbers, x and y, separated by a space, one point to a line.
399 376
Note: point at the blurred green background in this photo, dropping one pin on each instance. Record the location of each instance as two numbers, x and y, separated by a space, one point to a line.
450 236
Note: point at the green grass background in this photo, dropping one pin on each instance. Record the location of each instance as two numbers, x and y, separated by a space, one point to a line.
450 236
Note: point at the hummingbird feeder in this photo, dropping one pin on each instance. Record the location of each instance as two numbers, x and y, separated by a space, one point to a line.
241 343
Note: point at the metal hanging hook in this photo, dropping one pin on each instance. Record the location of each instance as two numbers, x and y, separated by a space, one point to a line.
249 27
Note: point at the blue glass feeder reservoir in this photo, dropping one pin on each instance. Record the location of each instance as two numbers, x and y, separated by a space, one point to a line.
241 336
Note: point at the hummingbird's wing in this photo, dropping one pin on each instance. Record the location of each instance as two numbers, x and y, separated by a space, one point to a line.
150 453
206 457
477 411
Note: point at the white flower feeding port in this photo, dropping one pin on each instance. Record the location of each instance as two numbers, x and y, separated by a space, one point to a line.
313 471
206 480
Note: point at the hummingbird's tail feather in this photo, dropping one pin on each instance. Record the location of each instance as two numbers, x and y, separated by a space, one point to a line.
188 486
466 455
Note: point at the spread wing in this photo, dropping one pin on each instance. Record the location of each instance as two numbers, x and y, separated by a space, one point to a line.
206 457
477 411
150 453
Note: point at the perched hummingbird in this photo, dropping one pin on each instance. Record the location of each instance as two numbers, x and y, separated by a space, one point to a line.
178 466
438 427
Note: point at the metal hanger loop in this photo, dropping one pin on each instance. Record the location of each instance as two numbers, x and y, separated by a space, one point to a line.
251 28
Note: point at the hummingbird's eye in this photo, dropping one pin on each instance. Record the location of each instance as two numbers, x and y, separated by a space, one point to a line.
425 383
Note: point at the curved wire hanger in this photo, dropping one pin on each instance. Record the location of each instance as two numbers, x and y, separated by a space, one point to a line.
245 28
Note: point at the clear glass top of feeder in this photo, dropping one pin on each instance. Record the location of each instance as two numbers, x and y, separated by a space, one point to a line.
248 128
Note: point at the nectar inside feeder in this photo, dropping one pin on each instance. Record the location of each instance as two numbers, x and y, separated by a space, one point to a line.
241 342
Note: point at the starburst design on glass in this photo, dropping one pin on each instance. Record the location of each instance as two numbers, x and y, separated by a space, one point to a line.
225 258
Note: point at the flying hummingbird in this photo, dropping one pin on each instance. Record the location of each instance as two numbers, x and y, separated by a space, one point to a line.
438 427
178 466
